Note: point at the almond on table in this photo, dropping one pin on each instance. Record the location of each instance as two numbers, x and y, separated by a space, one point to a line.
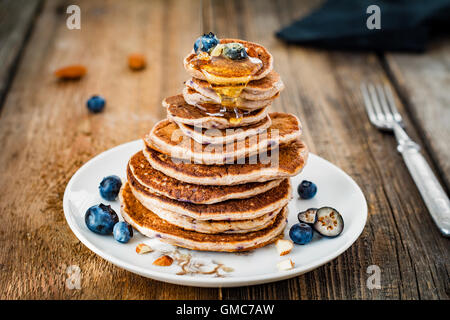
137 61
71 72
163 261
284 246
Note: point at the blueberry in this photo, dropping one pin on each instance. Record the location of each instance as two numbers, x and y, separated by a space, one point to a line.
110 187
96 104
122 232
301 233
234 51
307 189
308 216
206 42
329 222
101 219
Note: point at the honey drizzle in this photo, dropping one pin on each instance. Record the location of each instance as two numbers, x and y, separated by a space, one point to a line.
228 93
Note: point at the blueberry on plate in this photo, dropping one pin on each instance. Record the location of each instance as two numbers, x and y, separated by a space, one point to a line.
307 189
96 104
110 187
206 42
329 222
123 232
234 51
301 233
101 219
308 216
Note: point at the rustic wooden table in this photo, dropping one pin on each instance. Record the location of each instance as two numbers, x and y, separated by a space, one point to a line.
46 134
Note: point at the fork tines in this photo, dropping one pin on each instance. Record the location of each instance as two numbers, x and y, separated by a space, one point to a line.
380 105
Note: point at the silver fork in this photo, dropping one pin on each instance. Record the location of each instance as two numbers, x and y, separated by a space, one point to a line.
383 114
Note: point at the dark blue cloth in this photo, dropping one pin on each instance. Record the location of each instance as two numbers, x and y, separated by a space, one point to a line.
406 25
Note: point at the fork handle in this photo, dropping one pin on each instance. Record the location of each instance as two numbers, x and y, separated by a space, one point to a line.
432 192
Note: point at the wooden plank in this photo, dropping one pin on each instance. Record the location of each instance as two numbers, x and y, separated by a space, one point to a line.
17 17
423 81
46 134
323 89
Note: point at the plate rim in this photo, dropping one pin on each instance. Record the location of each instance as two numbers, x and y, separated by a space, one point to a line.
197 281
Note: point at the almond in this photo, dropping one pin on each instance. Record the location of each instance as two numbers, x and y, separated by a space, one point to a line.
285 265
142 248
284 246
163 261
227 269
136 61
71 72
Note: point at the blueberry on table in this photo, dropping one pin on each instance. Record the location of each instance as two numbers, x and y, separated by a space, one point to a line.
96 104
307 189
329 222
110 187
206 42
301 233
122 232
101 219
234 51
308 216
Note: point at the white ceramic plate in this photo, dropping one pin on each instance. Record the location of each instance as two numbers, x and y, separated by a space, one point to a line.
335 189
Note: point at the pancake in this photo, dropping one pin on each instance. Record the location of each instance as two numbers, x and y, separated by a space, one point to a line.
261 89
228 74
139 169
291 160
149 224
222 226
193 97
167 138
224 136
235 209
181 112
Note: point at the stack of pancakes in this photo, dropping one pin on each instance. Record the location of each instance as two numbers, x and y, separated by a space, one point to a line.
212 177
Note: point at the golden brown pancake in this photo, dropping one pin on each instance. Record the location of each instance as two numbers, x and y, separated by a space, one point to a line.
217 226
291 160
149 224
181 112
235 209
140 170
229 74
224 136
167 138
261 89
195 98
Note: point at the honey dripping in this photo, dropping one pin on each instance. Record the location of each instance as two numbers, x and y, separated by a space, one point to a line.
219 66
